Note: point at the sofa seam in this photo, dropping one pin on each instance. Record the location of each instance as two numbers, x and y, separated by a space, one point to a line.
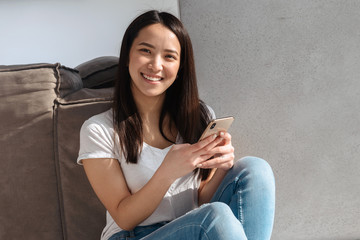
56 161
28 67
36 66
92 100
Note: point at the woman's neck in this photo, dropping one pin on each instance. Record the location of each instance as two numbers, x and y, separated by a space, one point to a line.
149 107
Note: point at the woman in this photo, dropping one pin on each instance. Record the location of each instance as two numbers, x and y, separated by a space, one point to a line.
143 158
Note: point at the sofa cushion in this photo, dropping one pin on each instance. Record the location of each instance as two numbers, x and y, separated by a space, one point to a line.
44 193
83 214
99 72
29 200
69 81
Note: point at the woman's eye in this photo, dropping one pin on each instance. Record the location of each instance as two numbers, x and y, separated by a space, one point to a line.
171 57
145 50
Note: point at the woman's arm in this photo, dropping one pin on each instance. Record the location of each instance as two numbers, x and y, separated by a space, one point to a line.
128 210
210 185
109 184
223 161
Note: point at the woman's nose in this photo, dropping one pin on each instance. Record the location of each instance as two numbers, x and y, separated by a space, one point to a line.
156 64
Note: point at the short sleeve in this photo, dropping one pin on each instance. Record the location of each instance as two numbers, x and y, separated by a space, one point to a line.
211 111
96 141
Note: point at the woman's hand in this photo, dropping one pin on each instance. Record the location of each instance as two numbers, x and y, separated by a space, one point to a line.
184 158
223 154
222 161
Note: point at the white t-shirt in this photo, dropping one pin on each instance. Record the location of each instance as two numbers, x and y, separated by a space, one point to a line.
97 141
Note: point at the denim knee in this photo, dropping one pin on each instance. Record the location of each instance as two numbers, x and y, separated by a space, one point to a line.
218 214
220 222
256 168
249 190
217 210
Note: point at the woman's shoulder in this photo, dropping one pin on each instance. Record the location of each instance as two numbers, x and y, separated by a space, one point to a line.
97 137
102 120
103 117
209 109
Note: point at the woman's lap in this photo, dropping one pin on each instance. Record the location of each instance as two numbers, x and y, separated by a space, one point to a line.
213 221
248 191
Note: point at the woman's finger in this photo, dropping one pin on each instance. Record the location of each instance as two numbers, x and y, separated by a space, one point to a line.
206 145
203 143
226 136
208 149
222 150
224 162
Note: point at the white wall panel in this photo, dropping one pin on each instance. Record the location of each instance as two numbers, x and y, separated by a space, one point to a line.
69 32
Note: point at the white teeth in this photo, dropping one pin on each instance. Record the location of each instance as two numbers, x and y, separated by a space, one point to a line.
151 78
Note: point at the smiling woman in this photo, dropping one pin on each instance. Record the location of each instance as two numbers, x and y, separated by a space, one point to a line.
153 63
143 157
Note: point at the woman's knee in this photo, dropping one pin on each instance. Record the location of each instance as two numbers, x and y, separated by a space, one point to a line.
254 165
217 209
220 222
256 169
217 212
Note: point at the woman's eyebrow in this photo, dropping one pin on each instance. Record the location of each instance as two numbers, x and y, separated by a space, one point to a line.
153 47
146 44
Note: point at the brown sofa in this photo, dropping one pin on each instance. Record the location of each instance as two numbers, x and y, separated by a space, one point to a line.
44 193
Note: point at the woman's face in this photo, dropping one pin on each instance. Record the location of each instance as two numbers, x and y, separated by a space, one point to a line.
154 61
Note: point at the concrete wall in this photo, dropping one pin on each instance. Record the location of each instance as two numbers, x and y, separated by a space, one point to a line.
69 32
289 71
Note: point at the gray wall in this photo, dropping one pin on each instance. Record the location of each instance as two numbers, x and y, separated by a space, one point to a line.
289 71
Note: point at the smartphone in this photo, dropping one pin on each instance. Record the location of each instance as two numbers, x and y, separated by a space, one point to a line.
216 126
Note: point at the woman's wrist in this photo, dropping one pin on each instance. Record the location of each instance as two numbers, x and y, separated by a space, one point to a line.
164 177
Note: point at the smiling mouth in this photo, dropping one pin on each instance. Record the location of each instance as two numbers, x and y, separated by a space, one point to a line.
151 78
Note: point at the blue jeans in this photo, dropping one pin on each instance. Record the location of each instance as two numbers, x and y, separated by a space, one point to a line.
242 208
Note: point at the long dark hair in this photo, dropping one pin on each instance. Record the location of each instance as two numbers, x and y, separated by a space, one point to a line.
182 103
